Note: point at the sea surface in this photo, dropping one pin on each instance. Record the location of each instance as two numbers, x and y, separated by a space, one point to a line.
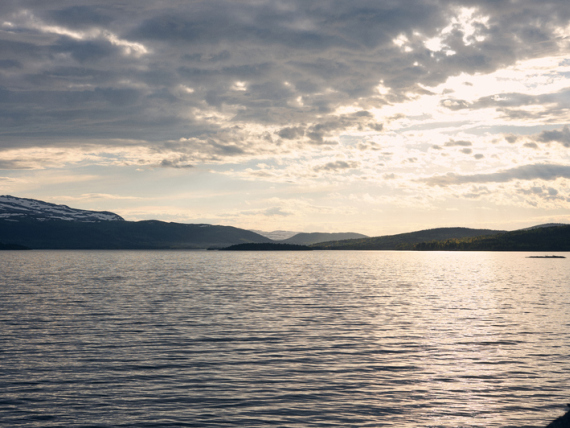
285 339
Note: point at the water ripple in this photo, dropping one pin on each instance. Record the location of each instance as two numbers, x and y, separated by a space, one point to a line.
363 339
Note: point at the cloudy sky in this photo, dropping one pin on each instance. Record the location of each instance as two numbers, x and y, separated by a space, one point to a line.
377 117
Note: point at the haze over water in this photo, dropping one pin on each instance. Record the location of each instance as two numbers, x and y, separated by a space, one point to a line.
296 339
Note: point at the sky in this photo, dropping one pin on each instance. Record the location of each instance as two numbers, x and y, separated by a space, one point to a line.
376 117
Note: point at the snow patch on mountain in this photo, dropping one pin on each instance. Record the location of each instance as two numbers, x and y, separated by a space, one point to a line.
13 208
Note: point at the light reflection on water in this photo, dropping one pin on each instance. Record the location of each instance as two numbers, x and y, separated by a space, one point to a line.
190 338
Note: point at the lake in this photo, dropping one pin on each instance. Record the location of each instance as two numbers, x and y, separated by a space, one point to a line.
287 339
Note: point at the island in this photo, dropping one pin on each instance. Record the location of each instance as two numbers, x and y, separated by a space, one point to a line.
546 257
266 247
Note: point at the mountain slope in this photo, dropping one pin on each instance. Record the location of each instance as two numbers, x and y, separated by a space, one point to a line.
13 208
553 238
315 238
276 235
12 247
41 225
59 234
405 240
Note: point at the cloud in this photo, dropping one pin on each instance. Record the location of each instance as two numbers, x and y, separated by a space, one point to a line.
542 193
458 144
526 172
14 164
291 133
364 93
80 16
562 136
276 211
101 70
179 163
336 166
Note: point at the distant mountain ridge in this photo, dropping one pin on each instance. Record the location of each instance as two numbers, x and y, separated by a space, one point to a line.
538 226
546 238
540 238
276 235
318 237
403 241
42 225
13 208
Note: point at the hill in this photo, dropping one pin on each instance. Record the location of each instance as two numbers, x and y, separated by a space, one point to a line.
554 238
59 234
42 225
538 226
405 241
315 238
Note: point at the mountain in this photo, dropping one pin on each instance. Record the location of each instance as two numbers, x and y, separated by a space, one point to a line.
41 225
13 208
152 234
276 235
544 238
553 238
538 226
12 247
315 238
404 241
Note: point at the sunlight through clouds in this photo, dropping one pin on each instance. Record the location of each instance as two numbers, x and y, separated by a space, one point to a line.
392 107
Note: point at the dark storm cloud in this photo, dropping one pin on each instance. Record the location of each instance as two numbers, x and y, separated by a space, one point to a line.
526 172
80 16
154 71
85 51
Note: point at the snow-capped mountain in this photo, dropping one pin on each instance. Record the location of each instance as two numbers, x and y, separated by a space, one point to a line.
15 209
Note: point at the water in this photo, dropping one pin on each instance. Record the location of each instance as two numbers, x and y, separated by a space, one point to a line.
291 339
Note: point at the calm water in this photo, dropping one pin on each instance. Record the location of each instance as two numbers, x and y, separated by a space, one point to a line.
319 339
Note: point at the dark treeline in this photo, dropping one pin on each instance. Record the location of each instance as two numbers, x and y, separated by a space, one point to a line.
266 247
